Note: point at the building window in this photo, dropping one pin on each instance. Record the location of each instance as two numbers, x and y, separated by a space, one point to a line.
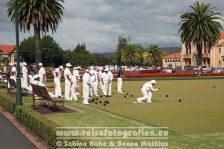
219 62
165 60
220 49
171 60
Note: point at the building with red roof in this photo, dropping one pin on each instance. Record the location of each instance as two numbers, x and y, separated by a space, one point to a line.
7 54
173 60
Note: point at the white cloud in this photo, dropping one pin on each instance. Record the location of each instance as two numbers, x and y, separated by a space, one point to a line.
98 23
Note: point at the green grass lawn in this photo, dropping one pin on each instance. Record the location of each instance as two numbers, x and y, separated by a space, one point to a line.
195 122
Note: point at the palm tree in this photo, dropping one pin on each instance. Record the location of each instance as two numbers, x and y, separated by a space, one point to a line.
200 28
153 55
42 15
131 55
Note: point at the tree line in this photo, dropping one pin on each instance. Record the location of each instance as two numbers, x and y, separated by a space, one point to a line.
125 53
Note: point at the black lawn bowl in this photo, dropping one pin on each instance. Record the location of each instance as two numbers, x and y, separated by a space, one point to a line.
104 104
132 95
93 98
90 101
96 102
100 101
213 86
108 102
125 96
179 100
109 96
97 99
167 95
101 96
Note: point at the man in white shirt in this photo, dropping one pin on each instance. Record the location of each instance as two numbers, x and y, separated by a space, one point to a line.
57 81
42 73
75 73
93 82
13 72
107 78
67 76
119 80
73 88
86 86
24 79
147 90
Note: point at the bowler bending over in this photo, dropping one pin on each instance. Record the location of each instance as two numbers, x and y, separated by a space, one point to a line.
147 90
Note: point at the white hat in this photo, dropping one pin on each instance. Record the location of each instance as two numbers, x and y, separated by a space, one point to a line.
68 65
106 69
153 81
75 68
61 67
78 67
40 64
87 70
24 64
91 68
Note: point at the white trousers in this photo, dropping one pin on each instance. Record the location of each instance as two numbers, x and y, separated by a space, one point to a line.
73 91
57 87
67 89
119 85
147 96
107 88
85 93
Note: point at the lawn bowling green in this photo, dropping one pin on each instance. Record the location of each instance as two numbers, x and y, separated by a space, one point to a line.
199 114
192 106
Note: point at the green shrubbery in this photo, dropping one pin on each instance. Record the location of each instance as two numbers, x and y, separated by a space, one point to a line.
8 102
38 123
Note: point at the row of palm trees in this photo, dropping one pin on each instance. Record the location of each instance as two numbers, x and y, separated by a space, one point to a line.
201 27
134 54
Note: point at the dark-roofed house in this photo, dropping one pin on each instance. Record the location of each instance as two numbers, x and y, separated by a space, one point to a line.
173 60
7 54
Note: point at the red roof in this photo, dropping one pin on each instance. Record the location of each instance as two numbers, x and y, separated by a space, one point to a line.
222 34
221 44
7 49
176 55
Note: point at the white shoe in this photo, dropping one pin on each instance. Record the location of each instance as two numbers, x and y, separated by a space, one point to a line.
75 99
139 100
77 93
149 101
86 103
97 95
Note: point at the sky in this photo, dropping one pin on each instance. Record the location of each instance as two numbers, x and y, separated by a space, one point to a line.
99 23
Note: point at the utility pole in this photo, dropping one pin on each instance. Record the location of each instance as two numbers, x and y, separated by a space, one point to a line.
18 79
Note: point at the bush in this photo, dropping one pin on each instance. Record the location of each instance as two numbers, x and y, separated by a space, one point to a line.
38 123
8 102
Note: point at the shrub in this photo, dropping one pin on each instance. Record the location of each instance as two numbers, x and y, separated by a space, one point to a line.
38 123
8 102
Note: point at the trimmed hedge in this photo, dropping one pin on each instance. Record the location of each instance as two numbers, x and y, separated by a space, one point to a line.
8 102
38 123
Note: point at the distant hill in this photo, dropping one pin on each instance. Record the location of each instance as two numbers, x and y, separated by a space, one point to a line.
168 50
105 54
171 50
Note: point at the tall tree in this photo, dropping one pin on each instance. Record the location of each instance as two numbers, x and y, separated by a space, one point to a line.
122 44
131 54
42 15
153 55
200 28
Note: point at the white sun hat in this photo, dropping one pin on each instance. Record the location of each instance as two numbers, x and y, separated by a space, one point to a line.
24 64
68 65
40 64
153 81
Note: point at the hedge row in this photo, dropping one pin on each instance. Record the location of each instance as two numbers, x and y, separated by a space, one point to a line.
38 123
7 102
